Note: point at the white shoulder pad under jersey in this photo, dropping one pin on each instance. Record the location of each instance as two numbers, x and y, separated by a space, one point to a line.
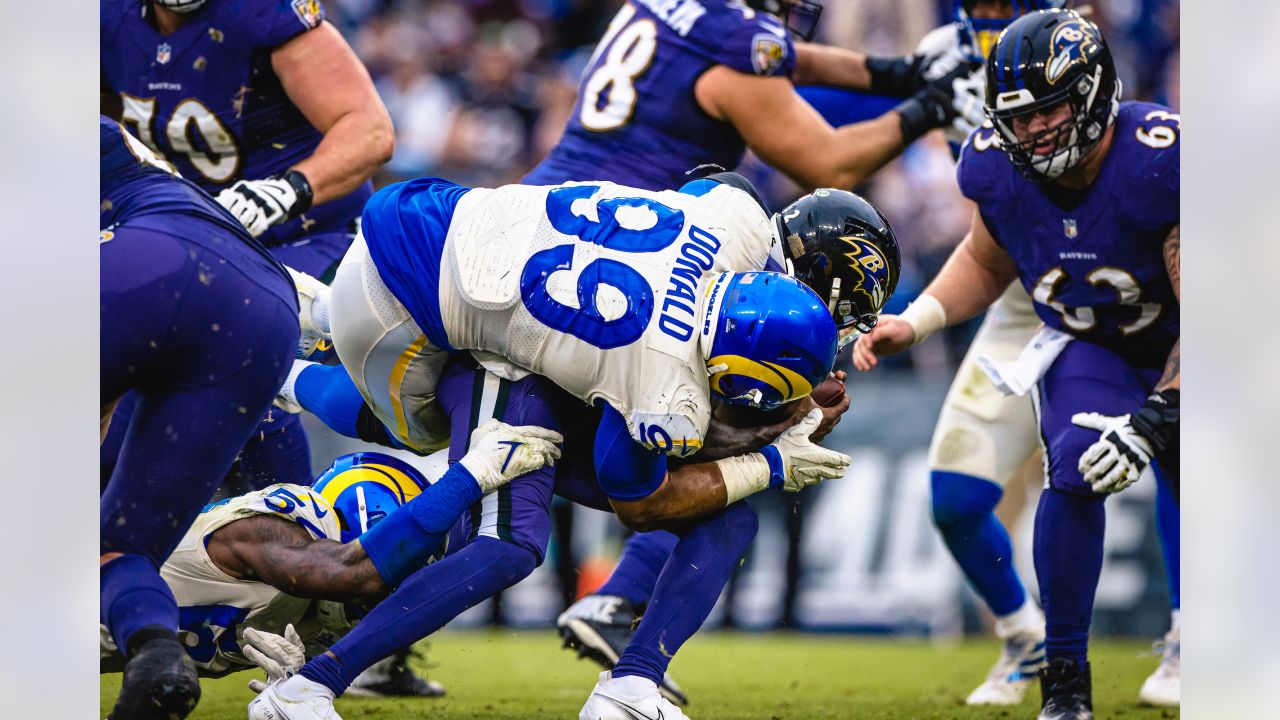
600 288
214 608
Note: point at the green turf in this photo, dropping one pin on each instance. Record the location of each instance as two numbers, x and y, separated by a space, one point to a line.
505 674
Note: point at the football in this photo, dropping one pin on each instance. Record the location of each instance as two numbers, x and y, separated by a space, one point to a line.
829 392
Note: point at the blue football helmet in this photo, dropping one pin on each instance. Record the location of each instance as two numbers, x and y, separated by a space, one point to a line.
768 339
981 33
365 487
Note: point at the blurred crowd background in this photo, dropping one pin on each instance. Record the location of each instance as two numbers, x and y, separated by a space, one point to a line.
480 90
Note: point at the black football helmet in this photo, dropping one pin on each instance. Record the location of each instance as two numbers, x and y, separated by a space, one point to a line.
842 247
1044 59
800 16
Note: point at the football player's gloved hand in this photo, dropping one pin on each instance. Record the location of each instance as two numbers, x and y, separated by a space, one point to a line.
501 453
796 463
279 656
937 104
1118 458
899 76
259 204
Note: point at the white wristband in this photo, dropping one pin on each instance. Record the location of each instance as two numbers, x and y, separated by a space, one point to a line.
925 316
743 475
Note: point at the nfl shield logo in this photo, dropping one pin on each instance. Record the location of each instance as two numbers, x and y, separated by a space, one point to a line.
1069 228
162 53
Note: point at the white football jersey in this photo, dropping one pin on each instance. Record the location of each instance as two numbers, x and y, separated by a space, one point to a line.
602 289
214 608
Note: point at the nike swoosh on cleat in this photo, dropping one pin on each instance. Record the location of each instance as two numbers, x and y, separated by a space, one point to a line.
633 712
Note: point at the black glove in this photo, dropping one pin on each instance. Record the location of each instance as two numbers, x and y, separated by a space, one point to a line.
1157 419
938 104
897 76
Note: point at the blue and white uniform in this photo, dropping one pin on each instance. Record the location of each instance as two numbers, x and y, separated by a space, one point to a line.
215 608
600 288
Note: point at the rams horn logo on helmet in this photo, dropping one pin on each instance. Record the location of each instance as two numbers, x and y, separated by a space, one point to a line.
867 260
788 384
1072 41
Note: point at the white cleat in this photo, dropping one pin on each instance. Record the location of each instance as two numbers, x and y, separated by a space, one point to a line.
1164 687
294 699
628 698
1020 660
312 297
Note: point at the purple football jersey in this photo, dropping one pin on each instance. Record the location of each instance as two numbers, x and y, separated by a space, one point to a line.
206 98
1095 269
637 122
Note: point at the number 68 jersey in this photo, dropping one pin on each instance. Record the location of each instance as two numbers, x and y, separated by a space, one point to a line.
598 287
214 608
1093 263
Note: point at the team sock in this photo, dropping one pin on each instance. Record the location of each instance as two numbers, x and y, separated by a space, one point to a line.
964 511
426 601
687 589
1168 517
1068 556
638 568
132 597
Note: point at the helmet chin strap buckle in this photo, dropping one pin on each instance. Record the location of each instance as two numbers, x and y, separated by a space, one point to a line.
754 396
713 369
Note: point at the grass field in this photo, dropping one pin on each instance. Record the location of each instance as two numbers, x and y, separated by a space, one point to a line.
505 674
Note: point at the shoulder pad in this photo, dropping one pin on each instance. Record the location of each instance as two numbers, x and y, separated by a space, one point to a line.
1148 140
672 434
756 45
983 170
273 22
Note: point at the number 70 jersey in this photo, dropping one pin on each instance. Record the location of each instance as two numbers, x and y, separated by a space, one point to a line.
598 287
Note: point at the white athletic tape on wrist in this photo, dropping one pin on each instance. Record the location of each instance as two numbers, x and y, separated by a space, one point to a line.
925 316
743 475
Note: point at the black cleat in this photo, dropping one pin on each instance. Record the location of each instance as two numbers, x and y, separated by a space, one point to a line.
160 680
392 677
599 628
1066 691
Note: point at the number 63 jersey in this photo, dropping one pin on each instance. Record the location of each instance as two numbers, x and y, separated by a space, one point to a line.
598 287
1093 263
215 608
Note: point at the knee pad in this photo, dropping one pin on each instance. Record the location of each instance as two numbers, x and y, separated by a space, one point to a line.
959 498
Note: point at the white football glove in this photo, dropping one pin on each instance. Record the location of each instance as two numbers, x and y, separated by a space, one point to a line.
1118 458
501 453
803 462
280 656
259 204
969 102
313 311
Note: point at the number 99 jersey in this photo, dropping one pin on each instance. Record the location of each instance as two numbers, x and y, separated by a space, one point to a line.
598 287
636 112
1093 261
214 608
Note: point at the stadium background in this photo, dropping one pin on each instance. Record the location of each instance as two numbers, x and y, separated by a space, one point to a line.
479 90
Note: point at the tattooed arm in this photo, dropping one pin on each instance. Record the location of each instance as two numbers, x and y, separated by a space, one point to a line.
284 555
1172 378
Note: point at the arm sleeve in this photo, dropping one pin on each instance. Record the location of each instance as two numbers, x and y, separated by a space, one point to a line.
624 469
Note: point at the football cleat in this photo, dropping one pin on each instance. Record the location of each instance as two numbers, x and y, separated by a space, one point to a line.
160 679
313 324
294 699
1020 661
392 677
600 628
1164 687
1066 691
609 702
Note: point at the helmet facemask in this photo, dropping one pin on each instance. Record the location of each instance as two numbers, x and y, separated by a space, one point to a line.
1072 139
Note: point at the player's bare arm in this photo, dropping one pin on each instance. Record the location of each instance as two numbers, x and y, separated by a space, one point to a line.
332 88
826 65
809 150
1172 378
977 272
283 554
